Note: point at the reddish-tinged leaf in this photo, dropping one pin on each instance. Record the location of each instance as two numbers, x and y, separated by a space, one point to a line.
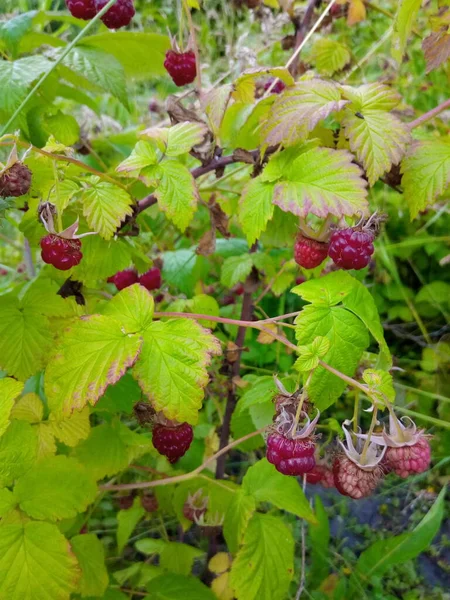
436 48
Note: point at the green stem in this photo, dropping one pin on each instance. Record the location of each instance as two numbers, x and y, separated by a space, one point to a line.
356 412
369 435
301 401
45 76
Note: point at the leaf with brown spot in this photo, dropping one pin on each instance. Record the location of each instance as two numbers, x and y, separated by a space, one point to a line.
436 48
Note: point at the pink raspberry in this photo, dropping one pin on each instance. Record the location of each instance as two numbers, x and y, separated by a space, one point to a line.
351 249
60 252
407 460
309 253
277 88
82 9
119 15
181 66
123 279
352 480
151 280
291 456
321 474
172 442
15 181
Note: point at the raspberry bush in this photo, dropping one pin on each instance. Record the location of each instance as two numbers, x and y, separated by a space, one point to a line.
224 308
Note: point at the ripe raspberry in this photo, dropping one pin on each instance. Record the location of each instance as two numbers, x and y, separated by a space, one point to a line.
15 181
62 253
181 66
407 460
351 249
277 88
352 480
172 442
119 15
321 474
149 503
125 502
124 279
152 279
82 9
290 456
309 253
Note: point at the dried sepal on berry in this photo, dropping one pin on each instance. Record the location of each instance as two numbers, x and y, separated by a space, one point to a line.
195 506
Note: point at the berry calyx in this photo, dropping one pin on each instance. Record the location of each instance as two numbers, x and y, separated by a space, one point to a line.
123 279
82 9
60 252
119 15
15 180
309 253
172 441
353 480
291 456
351 248
151 280
181 66
195 506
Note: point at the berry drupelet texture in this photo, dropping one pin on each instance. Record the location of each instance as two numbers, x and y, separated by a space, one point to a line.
151 280
290 456
172 442
353 481
309 253
351 249
62 253
119 15
408 460
15 181
82 9
181 66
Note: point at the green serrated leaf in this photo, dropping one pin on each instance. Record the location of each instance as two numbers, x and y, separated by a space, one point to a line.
18 447
46 444
127 521
71 429
133 308
28 408
371 96
266 484
403 23
255 208
177 193
237 517
36 563
143 155
329 56
13 29
298 110
214 104
41 495
174 556
380 384
93 353
90 554
16 76
263 567
103 452
426 174
204 305
173 587
171 369
9 390
245 84
7 502
102 259
184 136
105 206
311 353
235 269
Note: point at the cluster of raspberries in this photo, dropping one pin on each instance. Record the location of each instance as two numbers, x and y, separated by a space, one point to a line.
119 15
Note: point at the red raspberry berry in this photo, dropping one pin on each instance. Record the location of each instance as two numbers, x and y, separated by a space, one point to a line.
82 9
119 15
291 456
351 249
407 460
152 279
125 502
181 66
149 503
352 480
309 253
123 279
172 442
62 253
321 474
15 181
277 88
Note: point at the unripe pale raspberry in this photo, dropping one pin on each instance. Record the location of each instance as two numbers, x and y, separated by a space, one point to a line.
309 253
291 456
82 9
119 15
151 280
181 66
15 181
123 279
351 248
353 481
408 460
172 442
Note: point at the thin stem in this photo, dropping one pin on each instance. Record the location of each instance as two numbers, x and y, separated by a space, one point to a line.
369 434
178 478
45 75
194 46
301 401
356 412
301 586
28 258
429 115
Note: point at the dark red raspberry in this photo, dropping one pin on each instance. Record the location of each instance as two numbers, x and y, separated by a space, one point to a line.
408 460
309 253
119 15
172 442
291 456
351 249
123 279
152 279
62 253
149 503
82 9
277 88
321 474
353 481
125 502
181 66
15 181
